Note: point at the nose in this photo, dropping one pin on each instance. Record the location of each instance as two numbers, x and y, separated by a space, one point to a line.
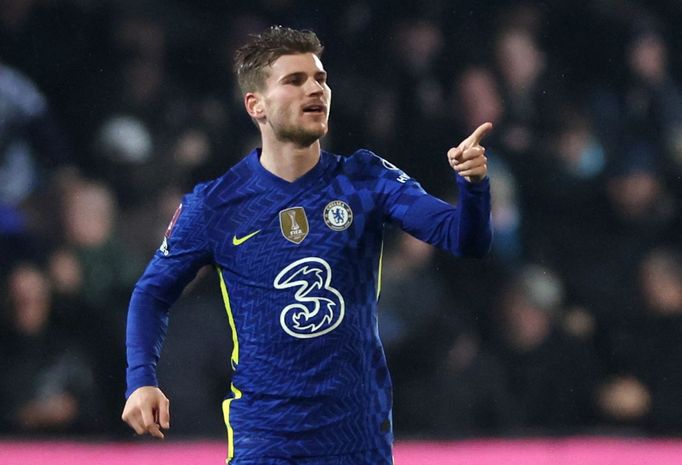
313 87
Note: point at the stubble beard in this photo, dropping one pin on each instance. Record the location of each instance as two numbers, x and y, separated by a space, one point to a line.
298 134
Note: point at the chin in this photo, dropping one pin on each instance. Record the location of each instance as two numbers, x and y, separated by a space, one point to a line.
303 137
308 141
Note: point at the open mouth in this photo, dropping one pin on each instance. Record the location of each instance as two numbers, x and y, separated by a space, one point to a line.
315 109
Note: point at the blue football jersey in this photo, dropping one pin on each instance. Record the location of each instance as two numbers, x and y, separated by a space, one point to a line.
299 265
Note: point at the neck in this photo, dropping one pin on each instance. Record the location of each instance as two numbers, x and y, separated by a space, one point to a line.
288 160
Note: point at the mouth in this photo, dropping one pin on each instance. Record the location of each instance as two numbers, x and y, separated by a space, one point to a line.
315 108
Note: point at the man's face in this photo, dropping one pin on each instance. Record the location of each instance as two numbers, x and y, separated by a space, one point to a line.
296 99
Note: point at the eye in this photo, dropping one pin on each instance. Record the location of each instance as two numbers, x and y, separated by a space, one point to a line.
295 80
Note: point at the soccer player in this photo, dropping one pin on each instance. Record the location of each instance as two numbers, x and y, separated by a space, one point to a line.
295 234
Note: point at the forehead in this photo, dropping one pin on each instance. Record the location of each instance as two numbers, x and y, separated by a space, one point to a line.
300 62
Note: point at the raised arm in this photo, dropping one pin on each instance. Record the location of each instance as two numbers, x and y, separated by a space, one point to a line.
463 229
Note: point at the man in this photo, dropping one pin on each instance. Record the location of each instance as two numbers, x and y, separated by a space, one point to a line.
295 234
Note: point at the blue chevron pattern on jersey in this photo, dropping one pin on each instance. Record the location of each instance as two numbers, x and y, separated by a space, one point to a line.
310 374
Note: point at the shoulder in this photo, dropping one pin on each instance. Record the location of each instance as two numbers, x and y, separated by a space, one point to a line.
367 163
215 191
198 196
365 157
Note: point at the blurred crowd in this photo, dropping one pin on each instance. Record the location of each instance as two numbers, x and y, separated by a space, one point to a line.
111 110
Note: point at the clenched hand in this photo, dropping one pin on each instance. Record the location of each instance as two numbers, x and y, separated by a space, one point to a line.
147 410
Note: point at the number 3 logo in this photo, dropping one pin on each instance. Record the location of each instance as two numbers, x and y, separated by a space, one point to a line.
319 308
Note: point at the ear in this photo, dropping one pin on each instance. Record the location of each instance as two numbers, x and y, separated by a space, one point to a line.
253 102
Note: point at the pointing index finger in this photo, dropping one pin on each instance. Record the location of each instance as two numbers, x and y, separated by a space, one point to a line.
480 132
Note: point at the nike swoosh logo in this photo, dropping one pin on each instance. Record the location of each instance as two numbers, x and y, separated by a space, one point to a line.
240 240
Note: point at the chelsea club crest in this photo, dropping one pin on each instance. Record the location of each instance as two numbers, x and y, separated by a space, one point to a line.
338 215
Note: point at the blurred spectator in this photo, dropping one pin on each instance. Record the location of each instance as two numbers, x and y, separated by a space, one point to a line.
469 394
141 232
476 99
433 349
59 45
653 100
46 380
642 213
638 195
551 373
66 273
107 269
405 315
507 215
419 101
644 390
31 146
527 92
30 143
567 199
154 135
95 271
576 160
647 111
92 328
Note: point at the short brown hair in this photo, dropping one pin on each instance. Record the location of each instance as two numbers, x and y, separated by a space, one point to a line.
252 58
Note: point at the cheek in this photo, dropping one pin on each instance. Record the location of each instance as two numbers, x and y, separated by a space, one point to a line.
286 104
276 111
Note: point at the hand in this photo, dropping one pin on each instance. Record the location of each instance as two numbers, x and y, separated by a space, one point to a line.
147 410
468 158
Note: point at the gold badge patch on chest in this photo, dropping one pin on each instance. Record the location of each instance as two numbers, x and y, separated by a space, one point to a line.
293 224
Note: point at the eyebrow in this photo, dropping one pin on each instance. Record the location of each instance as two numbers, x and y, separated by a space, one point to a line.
302 74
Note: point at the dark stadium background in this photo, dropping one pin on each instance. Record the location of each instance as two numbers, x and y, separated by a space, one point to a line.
110 110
